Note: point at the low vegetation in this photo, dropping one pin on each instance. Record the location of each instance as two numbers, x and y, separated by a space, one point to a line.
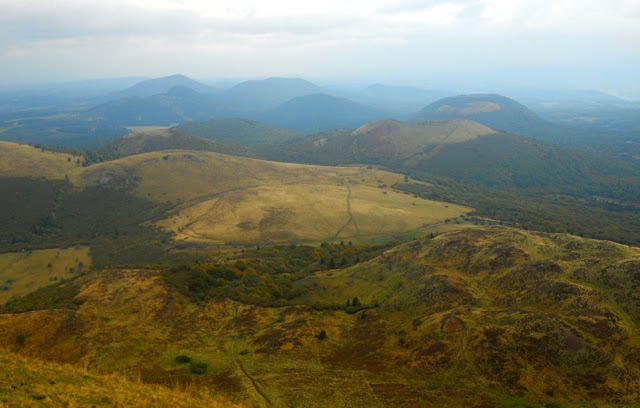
488 315
28 382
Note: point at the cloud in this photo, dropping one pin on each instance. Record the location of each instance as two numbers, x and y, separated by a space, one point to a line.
253 36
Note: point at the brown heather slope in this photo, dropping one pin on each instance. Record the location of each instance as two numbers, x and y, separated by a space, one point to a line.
481 317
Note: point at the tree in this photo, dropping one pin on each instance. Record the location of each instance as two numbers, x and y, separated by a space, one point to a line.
355 302
322 335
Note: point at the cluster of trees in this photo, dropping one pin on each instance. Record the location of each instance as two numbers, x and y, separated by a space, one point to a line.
40 213
264 276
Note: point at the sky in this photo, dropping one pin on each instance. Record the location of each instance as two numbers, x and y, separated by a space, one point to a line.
591 44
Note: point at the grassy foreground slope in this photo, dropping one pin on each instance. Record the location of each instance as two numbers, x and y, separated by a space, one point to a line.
28 382
488 316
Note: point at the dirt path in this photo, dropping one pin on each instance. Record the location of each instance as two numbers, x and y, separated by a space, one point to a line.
265 401
351 219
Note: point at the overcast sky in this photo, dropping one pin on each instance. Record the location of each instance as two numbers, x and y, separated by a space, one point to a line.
567 43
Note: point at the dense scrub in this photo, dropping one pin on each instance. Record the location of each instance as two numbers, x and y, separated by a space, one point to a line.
264 276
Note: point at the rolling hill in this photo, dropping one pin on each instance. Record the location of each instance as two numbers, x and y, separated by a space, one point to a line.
231 200
155 86
593 128
495 111
386 142
18 160
318 112
179 104
239 131
503 176
488 316
167 139
203 197
267 93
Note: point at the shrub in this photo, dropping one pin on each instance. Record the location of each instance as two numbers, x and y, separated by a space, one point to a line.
182 359
198 368
20 338
322 335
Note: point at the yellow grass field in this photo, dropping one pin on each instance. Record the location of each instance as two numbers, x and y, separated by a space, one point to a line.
26 271
306 212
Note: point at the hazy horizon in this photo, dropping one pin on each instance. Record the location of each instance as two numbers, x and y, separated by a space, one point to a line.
467 45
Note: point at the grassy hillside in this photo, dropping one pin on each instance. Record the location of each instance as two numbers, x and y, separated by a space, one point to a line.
179 104
25 271
386 142
504 176
226 199
240 131
18 160
495 111
29 382
484 316
127 210
165 139
352 210
319 112
599 129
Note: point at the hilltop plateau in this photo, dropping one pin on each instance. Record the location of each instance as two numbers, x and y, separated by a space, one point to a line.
131 209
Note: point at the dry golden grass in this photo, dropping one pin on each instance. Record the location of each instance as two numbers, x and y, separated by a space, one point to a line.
26 271
232 200
29 382
17 160
306 212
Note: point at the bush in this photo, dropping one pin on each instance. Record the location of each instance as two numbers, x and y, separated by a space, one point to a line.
322 335
182 359
20 338
198 368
